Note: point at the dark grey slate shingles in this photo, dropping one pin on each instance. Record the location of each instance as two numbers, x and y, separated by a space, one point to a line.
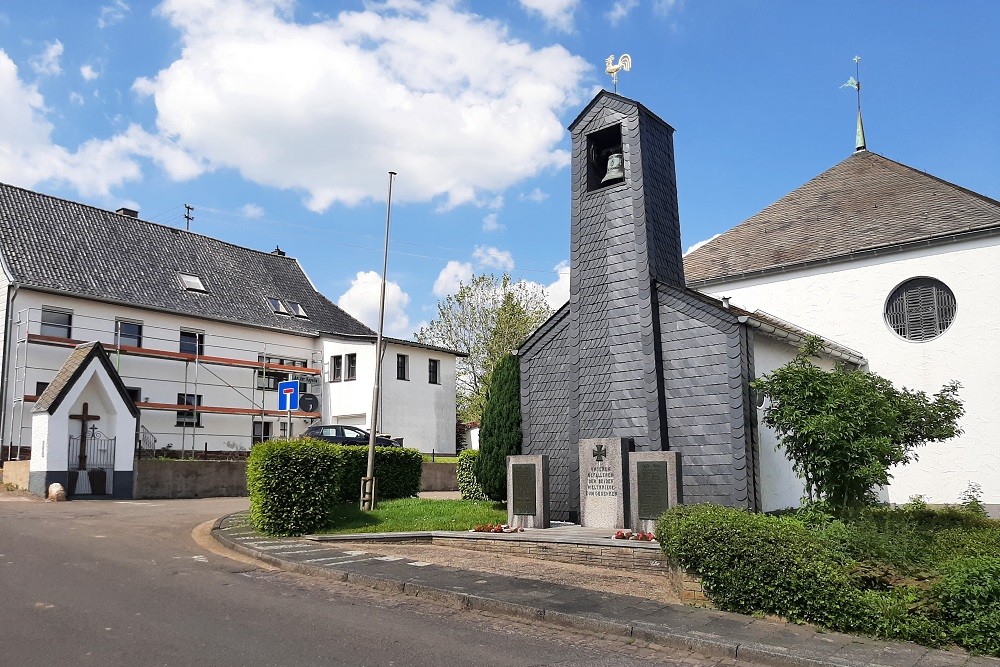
59 245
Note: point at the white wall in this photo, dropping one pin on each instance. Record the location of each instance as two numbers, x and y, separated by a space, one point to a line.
161 380
845 302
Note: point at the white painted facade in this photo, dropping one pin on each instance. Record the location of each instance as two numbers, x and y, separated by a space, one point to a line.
845 302
422 414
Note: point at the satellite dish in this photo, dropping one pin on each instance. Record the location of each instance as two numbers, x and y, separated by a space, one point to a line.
308 402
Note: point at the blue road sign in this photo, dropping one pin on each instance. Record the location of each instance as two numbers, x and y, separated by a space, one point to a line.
288 395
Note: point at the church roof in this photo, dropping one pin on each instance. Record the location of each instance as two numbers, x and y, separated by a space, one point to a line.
865 203
70 372
62 246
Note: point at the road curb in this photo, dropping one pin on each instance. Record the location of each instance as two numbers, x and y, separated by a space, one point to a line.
692 640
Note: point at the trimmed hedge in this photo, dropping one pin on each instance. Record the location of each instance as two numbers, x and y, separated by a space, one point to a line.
294 485
465 472
845 575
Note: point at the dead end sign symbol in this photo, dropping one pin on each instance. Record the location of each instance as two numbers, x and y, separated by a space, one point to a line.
288 395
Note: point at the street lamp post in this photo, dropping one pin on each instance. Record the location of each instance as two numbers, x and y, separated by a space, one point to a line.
368 481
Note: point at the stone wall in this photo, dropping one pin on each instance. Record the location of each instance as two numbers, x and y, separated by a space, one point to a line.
438 477
190 479
16 473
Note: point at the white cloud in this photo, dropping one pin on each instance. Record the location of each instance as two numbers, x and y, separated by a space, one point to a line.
76 98
445 97
89 73
699 244
535 195
451 277
362 298
490 257
252 211
46 63
496 203
28 156
112 14
557 14
557 293
490 223
620 9
665 7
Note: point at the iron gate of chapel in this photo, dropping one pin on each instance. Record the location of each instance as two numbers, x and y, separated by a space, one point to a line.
91 463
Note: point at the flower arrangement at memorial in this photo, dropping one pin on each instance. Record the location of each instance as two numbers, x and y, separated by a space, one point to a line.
498 528
629 535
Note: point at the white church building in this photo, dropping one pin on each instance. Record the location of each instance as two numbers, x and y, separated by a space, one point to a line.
897 264
200 332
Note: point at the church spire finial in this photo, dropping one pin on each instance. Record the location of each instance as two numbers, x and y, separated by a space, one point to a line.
855 83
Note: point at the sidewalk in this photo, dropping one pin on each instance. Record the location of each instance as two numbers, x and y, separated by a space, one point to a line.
702 630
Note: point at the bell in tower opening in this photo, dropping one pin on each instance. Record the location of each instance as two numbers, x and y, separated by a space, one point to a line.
605 159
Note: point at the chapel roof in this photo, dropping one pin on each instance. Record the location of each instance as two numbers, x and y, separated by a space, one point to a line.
866 203
70 372
66 247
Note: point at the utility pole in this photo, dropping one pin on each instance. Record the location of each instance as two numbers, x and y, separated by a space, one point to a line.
188 218
368 481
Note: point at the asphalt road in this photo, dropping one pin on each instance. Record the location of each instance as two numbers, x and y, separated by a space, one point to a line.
127 583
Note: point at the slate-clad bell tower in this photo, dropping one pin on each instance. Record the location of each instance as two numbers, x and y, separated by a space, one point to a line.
625 235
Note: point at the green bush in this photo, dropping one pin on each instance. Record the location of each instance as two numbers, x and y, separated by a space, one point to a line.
294 485
500 431
756 563
969 599
465 471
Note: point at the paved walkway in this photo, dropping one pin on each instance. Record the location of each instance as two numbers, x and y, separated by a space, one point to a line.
703 630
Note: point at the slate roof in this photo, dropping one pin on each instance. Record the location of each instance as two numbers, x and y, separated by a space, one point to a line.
59 245
74 365
865 203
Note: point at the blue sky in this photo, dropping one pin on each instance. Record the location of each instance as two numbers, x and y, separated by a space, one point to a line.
278 120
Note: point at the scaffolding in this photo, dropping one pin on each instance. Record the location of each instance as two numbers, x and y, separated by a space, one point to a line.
239 374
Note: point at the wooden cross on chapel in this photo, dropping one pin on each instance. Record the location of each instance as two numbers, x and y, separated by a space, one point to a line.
83 418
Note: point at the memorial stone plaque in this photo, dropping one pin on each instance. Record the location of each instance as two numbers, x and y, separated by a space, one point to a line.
604 491
656 484
528 491
523 482
652 482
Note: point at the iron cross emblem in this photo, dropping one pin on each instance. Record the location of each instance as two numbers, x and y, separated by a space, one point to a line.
600 452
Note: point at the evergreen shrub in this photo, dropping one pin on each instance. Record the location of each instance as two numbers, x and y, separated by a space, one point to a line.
500 429
465 472
294 485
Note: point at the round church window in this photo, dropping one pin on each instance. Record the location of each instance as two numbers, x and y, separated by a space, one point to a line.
920 309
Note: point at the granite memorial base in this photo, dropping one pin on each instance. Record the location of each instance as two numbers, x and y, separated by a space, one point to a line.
604 492
654 485
528 491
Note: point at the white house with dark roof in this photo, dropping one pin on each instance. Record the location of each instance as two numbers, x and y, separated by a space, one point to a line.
200 332
899 264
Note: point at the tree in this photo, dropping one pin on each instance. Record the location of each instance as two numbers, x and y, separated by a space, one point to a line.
844 429
486 319
500 430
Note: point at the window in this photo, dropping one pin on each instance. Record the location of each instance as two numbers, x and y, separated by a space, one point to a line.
402 367
192 342
277 306
191 283
920 309
188 417
40 388
601 146
297 309
433 366
58 323
352 367
268 379
336 368
261 432
128 333
135 393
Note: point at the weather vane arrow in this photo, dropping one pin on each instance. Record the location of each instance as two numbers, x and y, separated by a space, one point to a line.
855 83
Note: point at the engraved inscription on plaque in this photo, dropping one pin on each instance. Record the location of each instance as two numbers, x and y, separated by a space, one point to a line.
523 483
653 489
601 481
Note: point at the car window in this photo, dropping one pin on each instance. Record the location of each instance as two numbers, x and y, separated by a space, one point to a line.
352 432
330 430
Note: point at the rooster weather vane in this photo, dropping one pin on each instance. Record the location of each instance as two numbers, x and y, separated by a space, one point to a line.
624 63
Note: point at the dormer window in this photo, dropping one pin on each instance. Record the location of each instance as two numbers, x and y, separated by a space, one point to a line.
191 283
297 309
277 306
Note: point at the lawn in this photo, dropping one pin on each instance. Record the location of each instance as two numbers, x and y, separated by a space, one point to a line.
438 458
415 514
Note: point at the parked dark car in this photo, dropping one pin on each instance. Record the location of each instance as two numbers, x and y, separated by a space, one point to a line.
346 435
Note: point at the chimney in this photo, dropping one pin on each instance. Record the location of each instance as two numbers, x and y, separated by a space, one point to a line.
278 251
127 212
